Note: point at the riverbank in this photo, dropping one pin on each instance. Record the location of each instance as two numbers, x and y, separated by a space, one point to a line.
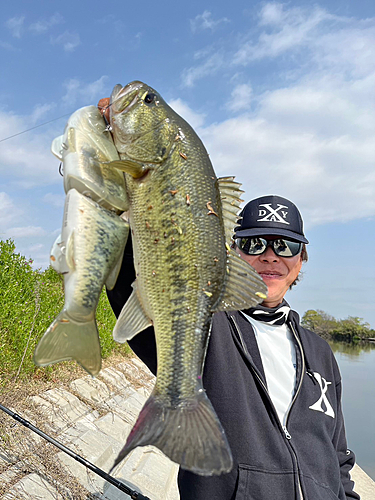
92 417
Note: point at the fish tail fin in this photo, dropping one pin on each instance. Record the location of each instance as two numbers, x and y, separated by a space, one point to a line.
67 339
189 433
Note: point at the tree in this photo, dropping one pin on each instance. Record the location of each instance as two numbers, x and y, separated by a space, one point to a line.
319 322
352 328
347 330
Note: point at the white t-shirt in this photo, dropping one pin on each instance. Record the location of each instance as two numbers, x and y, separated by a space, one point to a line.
278 353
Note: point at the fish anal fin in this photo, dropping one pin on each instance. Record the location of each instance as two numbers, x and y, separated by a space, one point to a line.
132 319
190 434
244 287
66 339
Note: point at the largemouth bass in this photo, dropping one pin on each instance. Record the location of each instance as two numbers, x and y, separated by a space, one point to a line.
181 218
89 250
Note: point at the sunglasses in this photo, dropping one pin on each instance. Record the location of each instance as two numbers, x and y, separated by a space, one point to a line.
256 246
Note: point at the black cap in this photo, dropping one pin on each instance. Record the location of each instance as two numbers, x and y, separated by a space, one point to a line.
270 215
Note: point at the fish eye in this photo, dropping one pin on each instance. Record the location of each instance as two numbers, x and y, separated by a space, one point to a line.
149 98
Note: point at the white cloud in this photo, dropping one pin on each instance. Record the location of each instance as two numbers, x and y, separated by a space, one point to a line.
15 25
272 13
36 248
25 232
204 21
309 144
86 92
308 133
43 25
208 67
54 199
241 98
68 40
26 159
194 119
41 110
9 212
6 45
6 203
289 30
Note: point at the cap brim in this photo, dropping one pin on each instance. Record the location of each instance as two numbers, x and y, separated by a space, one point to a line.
243 233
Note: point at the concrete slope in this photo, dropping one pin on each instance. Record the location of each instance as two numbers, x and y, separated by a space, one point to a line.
93 418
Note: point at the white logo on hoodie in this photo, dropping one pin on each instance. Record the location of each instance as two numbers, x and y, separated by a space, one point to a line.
318 406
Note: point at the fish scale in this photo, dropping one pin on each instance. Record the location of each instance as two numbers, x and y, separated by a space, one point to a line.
183 268
168 264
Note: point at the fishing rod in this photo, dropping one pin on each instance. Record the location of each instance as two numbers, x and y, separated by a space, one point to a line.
110 479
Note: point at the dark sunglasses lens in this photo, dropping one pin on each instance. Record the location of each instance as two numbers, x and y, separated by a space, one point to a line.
252 246
286 248
281 247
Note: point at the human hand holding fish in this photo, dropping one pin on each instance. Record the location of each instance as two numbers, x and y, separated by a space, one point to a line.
181 218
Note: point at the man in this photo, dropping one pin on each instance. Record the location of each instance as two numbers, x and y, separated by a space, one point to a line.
275 386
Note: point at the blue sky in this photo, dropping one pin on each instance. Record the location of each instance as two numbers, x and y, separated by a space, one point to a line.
282 95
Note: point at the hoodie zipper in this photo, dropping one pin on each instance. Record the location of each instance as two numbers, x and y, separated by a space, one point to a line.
259 378
295 396
302 371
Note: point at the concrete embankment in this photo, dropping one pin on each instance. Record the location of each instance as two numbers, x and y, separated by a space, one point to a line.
93 417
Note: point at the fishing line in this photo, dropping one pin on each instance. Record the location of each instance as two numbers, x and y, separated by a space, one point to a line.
134 495
33 128
50 121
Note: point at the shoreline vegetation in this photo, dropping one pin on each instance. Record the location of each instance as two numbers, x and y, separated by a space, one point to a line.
350 330
31 299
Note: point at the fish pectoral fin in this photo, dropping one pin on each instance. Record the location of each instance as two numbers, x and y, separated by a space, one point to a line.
66 339
69 252
190 434
132 319
243 288
113 275
57 257
131 167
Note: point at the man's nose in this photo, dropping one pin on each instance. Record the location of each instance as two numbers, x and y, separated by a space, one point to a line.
269 255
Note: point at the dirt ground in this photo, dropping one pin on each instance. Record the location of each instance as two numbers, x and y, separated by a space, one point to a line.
22 451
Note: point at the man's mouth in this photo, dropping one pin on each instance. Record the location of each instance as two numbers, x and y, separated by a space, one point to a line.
270 274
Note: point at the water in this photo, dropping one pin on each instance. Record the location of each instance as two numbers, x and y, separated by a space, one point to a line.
357 366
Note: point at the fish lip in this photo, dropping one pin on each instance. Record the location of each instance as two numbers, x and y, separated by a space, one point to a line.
125 98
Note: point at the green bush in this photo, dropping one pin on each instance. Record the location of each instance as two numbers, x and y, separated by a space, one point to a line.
29 301
347 330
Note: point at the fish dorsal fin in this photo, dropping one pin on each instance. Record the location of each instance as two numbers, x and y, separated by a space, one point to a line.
132 319
244 287
230 194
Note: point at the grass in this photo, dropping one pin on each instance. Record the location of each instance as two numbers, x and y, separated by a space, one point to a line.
29 301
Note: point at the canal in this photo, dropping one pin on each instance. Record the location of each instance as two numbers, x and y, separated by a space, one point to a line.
357 366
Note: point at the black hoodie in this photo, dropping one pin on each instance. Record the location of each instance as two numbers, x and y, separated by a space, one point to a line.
308 457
